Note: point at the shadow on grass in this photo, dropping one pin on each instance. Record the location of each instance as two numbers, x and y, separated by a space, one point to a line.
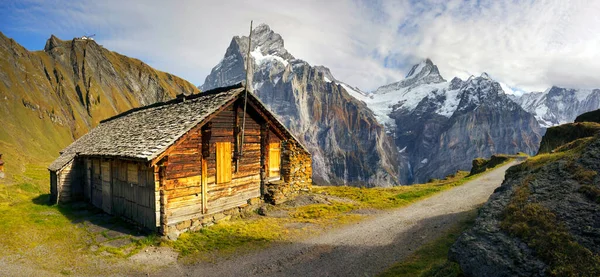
94 219
332 257
42 200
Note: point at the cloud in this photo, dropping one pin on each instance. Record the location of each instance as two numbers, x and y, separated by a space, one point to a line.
528 45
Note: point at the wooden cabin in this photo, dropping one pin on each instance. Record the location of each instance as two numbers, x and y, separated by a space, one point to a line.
185 163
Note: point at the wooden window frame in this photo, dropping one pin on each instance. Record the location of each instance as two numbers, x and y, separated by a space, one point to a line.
223 156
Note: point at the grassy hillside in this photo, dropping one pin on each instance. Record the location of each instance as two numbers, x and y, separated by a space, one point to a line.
49 98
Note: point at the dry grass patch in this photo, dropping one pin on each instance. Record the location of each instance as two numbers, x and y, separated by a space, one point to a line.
394 197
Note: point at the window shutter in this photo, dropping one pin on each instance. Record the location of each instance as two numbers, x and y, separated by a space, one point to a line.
223 156
274 159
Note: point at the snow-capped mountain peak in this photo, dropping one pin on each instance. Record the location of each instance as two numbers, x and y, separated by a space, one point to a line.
424 72
558 105
485 76
426 64
267 42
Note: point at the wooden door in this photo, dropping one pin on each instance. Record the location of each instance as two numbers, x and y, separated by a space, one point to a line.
106 187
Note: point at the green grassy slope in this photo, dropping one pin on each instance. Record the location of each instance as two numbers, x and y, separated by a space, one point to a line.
49 98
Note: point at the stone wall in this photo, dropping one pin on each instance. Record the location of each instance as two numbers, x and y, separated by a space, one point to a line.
173 231
296 173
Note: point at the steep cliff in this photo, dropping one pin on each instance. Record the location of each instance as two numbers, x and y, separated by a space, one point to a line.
348 145
49 98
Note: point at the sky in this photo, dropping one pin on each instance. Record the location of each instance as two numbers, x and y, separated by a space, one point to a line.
525 45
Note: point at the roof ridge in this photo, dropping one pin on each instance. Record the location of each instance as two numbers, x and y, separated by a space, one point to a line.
179 98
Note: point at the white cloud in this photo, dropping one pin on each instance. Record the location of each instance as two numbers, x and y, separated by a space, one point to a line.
525 44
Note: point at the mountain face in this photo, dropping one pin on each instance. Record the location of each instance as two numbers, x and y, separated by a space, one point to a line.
348 145
441 126
557 105
49 98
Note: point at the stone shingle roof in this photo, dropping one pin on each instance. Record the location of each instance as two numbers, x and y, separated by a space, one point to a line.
144 133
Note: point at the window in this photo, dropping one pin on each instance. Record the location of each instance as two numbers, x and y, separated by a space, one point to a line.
223 162
274 159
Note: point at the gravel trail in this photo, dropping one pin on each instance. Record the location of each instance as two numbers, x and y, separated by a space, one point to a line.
361 249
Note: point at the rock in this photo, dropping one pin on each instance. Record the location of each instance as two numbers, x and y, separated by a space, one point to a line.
593 116
481 165
219 216
560 135
181 226
262 210
254 201
225 218
558 202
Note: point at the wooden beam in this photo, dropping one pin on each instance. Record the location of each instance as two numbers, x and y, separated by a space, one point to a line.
204 184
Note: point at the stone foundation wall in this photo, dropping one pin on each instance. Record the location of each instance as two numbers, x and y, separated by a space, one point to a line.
296 173
173 231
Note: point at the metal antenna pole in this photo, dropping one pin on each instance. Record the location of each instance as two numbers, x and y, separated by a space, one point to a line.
246 89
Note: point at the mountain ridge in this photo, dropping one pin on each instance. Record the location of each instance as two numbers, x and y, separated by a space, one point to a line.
558 105
50 97
440 126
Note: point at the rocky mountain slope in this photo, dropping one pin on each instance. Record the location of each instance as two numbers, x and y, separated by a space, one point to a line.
544 220
558 105
441 126
49 98
348 145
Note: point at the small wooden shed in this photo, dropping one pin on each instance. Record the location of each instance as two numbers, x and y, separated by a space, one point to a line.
180 165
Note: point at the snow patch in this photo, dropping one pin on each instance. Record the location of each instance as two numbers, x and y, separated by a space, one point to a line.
424 161
259 58
451 104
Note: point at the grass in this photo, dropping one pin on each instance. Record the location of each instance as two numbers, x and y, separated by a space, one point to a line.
548 237
49 238
563 134
539 227
569 151
242 235
394 197
431 259
225 237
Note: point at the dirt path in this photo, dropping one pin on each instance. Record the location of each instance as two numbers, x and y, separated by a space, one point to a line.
361 249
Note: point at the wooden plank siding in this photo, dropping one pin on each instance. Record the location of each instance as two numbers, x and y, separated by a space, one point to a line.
181 185
183 196
123 188
245 177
